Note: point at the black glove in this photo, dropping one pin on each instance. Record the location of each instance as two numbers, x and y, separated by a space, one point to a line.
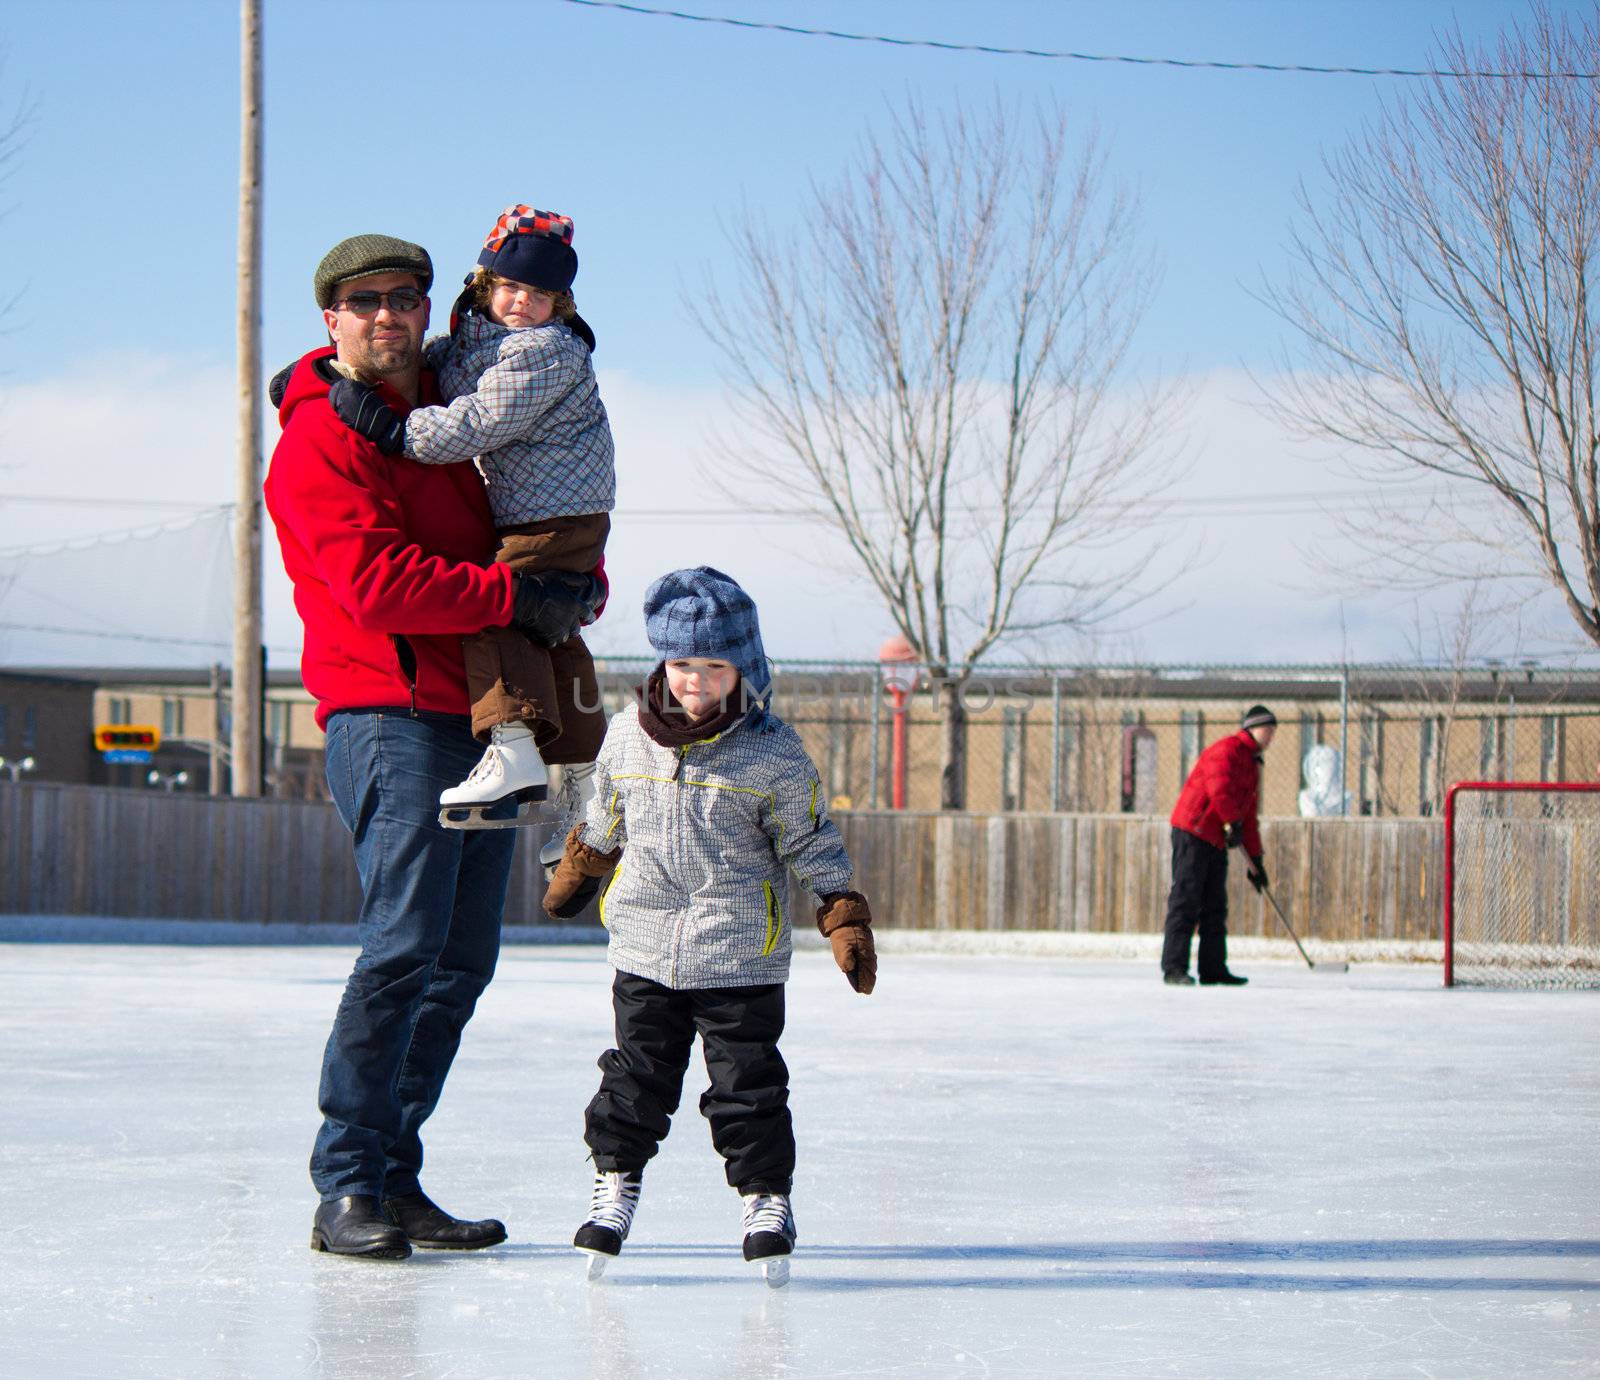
581 328
280 384
1232 835
365 413
581 895
1256 874
552 605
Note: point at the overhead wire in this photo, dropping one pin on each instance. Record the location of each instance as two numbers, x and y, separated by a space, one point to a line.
1068 56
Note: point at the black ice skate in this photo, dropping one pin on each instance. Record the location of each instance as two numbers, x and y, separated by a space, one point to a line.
769 1235
510 769
611 1209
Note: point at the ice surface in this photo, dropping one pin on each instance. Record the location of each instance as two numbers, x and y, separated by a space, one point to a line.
1008 1167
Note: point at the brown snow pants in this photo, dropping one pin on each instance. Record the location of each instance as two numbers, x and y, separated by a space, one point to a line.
551 689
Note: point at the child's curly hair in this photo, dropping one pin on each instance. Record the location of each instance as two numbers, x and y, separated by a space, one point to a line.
562 305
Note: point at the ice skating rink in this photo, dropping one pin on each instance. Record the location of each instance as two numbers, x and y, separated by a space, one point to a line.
1008 1167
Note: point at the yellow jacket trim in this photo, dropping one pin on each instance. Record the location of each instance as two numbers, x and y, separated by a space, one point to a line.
615 873
774 919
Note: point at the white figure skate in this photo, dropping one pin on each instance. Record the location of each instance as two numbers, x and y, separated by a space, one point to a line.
510 769
568 808
769 1235
611 1209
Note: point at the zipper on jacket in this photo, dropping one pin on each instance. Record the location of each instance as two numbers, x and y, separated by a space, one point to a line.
683 752
406 655
677 776
774 919
615 873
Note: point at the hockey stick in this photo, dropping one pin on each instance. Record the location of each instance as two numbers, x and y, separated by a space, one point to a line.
1315 967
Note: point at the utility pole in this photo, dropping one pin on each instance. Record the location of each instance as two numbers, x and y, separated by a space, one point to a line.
214 754
247 674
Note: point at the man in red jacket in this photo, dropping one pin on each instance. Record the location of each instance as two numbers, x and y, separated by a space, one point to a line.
1215 812
390 561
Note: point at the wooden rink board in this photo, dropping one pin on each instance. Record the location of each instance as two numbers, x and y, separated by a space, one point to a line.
82 850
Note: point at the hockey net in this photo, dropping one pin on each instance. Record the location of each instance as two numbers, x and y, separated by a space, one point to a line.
1522 884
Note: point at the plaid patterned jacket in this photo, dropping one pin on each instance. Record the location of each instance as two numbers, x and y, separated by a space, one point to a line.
709 829
526 402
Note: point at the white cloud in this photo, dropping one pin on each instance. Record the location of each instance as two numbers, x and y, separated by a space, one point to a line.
155 428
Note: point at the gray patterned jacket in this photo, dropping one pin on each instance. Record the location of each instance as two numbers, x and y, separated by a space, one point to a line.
709 829
526 402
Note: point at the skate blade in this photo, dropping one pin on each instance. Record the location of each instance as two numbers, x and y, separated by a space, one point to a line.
775 1270
529 812
595 1267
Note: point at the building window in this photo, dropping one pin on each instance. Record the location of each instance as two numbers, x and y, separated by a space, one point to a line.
30 729
1489 749
1191 729
1068 731
1013 757
172 718
119 709
1310 737
278 722
1427 764
1552 747
1371 773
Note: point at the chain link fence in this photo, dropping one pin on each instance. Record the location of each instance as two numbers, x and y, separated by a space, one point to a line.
1523 889
1365 742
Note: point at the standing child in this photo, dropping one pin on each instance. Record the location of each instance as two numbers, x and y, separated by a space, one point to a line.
524 403
713 798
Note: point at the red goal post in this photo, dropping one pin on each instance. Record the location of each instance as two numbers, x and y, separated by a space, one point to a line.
1522 884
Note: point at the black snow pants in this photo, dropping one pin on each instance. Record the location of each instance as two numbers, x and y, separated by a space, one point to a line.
1199 898
641 1080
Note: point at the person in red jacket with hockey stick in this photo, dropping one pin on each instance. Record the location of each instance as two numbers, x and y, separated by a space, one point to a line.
1215 812
390 562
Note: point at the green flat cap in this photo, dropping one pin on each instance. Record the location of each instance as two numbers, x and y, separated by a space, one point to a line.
360 255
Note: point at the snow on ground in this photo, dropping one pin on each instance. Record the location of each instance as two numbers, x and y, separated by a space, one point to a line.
1009 1166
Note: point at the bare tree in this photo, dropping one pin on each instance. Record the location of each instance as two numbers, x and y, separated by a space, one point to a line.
930 367
1443 305
1447 652
13 131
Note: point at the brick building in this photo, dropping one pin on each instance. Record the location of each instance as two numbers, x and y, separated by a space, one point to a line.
1105 740
42 717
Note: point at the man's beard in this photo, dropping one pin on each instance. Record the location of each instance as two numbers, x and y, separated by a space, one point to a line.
381 361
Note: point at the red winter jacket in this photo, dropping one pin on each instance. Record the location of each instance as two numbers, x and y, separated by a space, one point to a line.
391 559
1223 788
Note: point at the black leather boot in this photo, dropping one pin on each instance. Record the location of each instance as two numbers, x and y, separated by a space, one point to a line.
355 1225
1224 979
430 1227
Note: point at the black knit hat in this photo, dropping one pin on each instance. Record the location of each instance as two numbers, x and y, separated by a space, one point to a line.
1258 716
363 255
532 247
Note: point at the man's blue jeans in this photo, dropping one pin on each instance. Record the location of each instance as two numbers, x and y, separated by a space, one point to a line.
431 902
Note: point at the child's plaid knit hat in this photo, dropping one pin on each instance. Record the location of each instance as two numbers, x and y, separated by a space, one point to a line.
704 613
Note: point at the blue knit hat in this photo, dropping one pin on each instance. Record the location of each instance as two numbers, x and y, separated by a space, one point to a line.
704 613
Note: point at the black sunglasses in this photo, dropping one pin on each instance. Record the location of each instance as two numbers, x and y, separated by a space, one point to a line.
370 303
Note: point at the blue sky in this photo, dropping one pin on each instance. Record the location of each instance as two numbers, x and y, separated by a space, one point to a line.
424 119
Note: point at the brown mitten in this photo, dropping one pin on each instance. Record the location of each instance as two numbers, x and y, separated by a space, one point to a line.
577 876
847 922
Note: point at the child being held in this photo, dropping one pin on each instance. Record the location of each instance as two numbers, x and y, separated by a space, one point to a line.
704 801
524 403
